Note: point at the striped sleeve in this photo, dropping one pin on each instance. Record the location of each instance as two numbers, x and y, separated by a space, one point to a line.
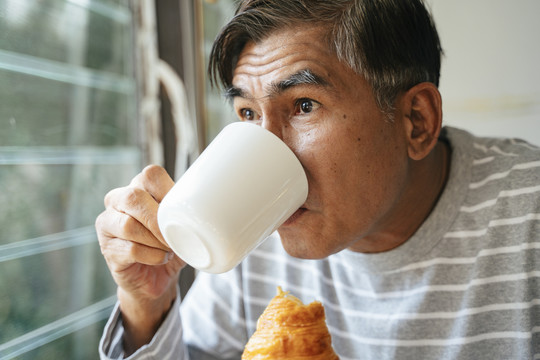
166 344
213 316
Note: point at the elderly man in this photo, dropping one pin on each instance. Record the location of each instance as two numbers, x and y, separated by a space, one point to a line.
421 242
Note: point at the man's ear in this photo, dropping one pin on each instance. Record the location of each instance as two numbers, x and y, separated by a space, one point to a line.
421 111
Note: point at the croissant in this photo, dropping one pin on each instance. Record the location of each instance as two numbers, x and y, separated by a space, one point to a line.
288 329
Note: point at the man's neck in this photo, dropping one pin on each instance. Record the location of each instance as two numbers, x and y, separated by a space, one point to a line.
426 185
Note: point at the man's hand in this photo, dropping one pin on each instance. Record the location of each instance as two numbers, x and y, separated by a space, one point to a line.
142 265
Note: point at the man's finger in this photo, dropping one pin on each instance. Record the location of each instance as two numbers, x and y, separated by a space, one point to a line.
155 180
122 254
114 224
138 204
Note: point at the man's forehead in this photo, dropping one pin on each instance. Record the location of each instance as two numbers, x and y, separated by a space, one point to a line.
284 44
300 57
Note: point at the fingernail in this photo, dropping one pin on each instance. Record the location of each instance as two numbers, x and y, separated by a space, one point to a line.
167 258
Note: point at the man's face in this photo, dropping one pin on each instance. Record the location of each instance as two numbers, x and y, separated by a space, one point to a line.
354 158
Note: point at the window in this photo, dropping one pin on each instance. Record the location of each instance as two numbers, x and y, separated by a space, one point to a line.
215 14
68 134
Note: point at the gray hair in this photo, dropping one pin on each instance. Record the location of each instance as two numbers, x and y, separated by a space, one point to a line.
392 43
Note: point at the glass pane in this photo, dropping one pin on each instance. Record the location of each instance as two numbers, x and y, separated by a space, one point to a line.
70 133
79 345
38 290
219 112
58 30
42 112
47 199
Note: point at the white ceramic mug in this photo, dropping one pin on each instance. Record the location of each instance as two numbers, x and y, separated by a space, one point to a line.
241 189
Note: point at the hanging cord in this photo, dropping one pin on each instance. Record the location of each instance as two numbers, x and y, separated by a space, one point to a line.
155 71
187 147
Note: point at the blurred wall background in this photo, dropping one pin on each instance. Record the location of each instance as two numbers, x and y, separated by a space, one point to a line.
490 80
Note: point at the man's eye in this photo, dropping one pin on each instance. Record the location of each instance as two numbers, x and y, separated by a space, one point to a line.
305 106
249 115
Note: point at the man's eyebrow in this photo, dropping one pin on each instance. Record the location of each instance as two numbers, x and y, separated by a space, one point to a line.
302 77
232 92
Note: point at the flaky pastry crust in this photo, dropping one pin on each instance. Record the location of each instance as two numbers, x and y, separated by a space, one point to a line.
288 329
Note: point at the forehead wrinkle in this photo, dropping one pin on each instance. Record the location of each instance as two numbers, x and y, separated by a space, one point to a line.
263 65
258 54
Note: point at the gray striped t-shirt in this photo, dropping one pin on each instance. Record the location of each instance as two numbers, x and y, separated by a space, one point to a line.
465 286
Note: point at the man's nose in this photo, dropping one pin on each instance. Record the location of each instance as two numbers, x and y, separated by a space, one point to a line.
273 124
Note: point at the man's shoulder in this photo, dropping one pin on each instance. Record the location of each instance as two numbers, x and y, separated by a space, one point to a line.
502 190
495 160
490 146
512 163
